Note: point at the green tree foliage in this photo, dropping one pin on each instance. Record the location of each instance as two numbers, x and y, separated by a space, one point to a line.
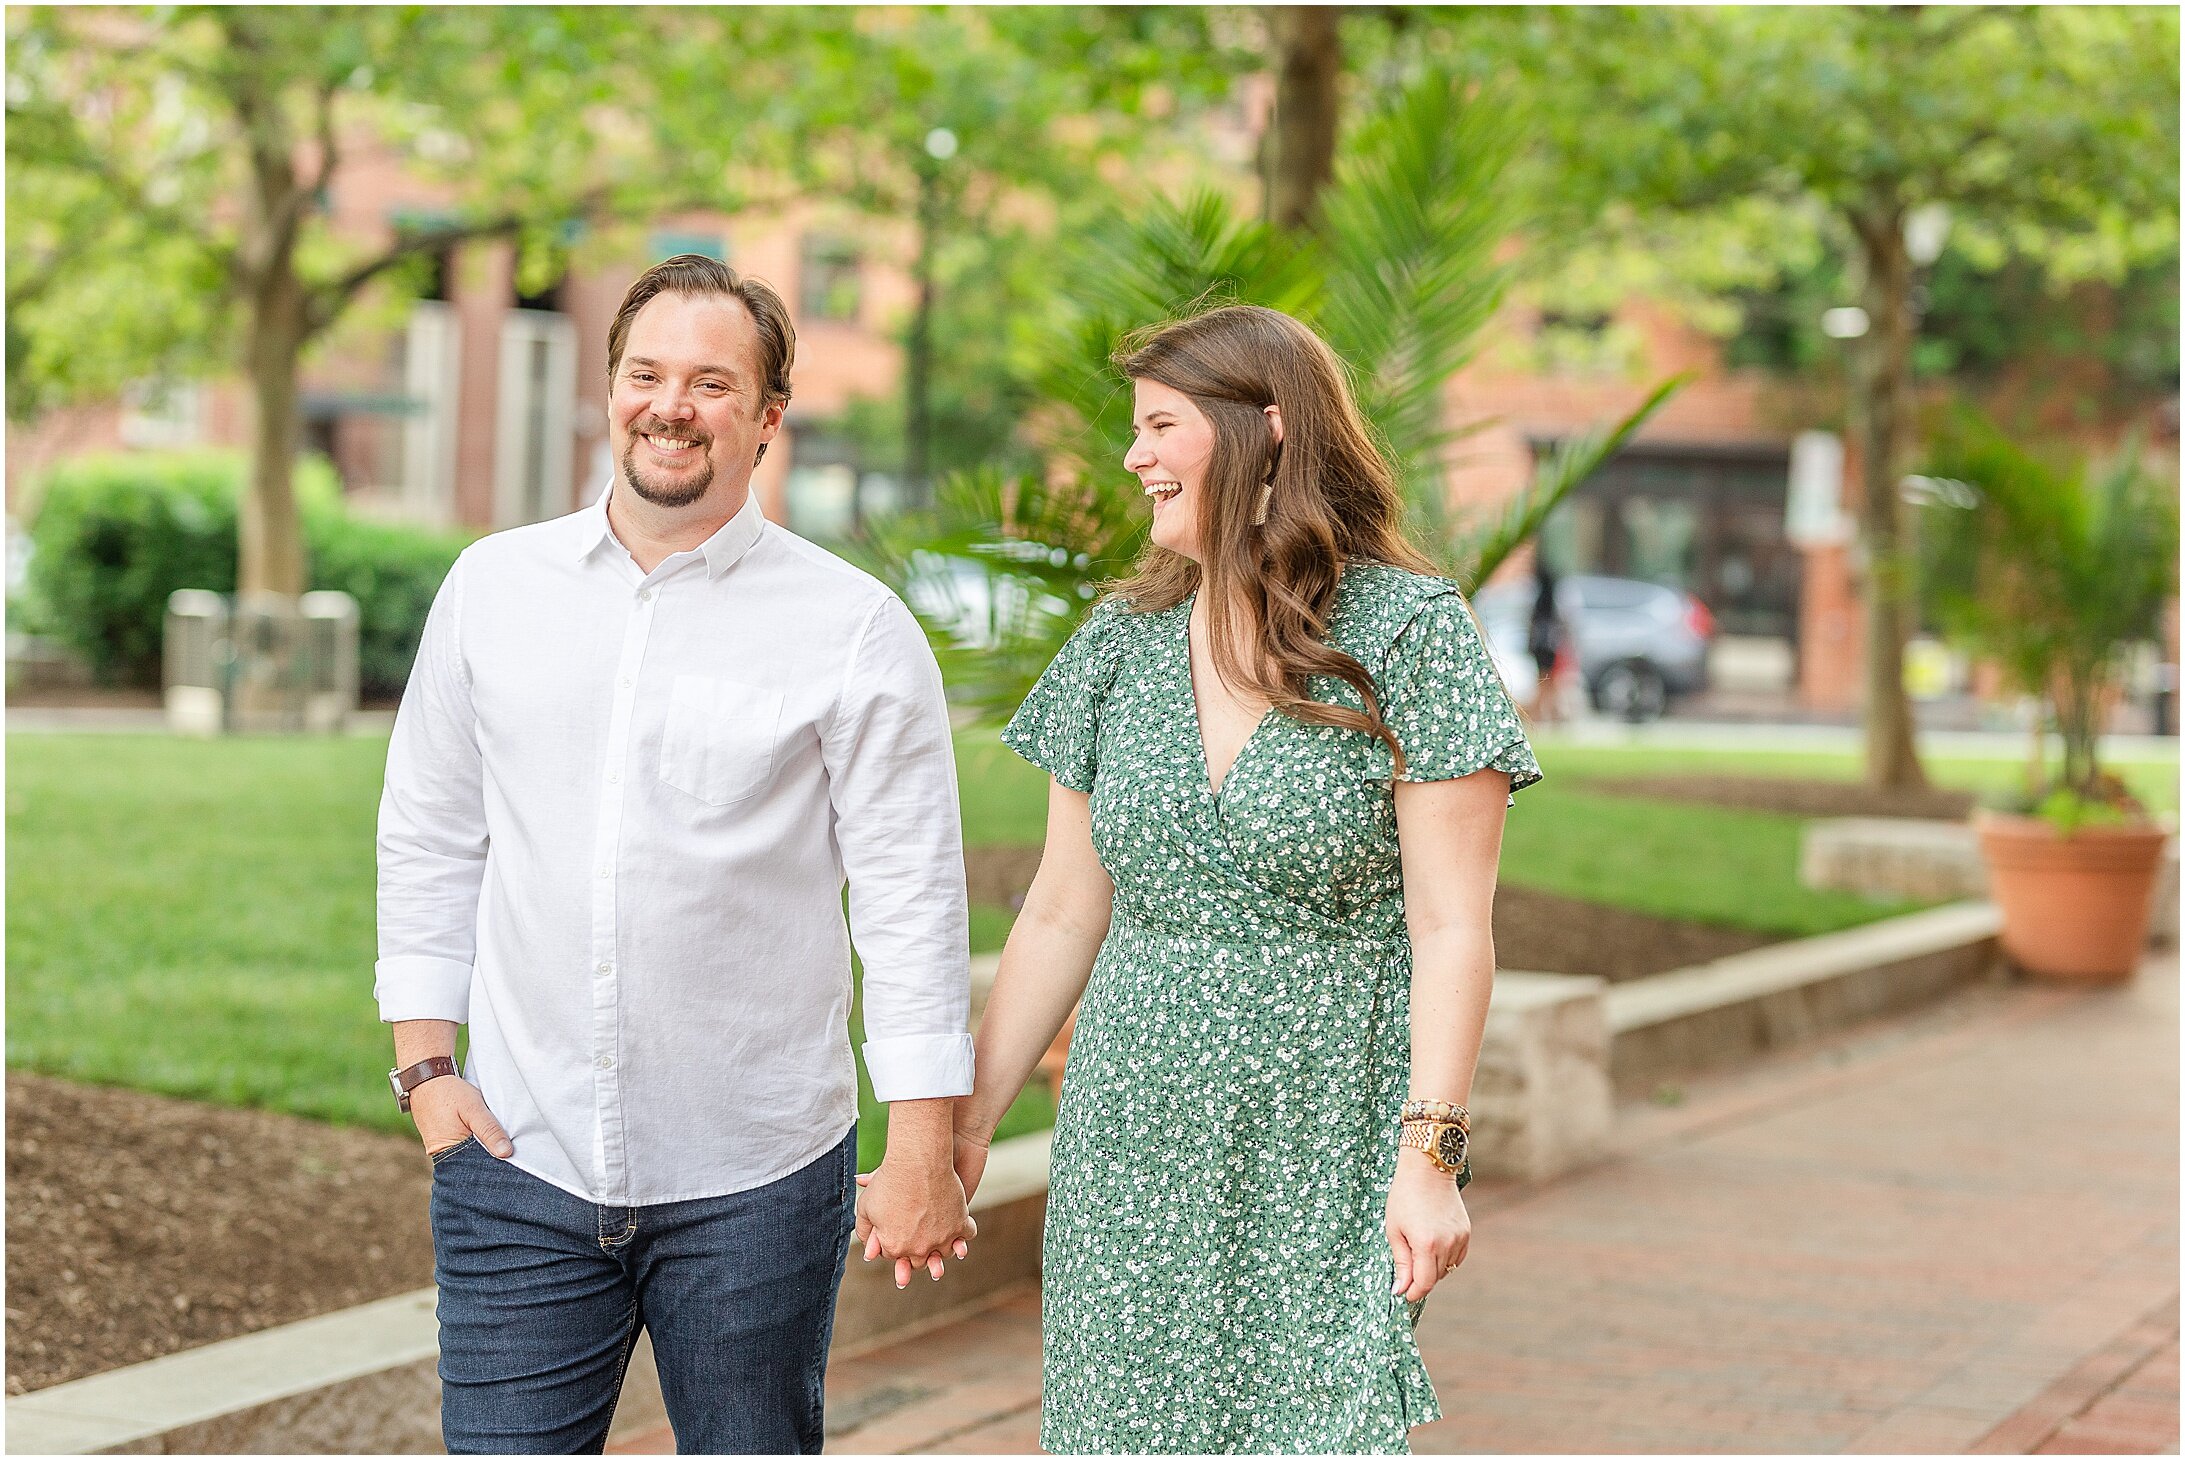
996 134
169 170
1400 278
2050 133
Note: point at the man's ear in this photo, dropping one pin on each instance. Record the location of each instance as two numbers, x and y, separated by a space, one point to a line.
770 420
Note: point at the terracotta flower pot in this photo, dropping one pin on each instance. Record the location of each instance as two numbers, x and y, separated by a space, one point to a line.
2074 907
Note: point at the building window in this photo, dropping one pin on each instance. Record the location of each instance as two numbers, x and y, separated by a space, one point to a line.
667 243
827 282
1708 520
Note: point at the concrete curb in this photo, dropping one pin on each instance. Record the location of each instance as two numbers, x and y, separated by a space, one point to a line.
1711 1014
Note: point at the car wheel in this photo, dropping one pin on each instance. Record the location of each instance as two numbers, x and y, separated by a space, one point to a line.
1632 690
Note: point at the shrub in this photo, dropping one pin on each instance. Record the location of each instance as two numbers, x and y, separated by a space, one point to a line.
392 572
114 535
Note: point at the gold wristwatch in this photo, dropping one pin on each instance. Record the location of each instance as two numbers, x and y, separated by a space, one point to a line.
1443 1141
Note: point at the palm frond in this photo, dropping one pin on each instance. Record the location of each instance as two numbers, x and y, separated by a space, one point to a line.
1478 553
1412 223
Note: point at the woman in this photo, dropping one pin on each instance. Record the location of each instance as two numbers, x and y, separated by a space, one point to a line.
1547 639
1281 944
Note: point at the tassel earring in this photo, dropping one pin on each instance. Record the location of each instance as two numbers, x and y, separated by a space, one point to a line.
1267 487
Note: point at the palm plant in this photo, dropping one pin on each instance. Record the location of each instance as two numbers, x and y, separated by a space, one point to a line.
2051 571
1400 278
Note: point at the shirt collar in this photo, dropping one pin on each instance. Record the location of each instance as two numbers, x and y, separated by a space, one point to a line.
722 550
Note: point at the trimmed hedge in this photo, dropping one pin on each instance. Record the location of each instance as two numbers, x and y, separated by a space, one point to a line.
115 534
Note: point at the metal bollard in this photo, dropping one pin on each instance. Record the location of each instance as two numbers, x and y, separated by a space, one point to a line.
329 672
194 659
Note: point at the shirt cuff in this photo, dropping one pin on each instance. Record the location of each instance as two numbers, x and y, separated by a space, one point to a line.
919 1066
420 987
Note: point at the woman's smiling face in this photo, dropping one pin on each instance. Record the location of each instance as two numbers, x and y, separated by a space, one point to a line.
1169 453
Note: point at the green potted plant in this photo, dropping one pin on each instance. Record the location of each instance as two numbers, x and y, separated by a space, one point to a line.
2051 571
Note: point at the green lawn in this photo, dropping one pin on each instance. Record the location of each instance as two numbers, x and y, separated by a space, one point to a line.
195 917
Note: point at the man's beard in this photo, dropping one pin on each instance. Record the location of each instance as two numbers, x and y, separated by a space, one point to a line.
666 493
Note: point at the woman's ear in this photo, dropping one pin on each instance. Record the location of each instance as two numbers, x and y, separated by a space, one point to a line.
1274 419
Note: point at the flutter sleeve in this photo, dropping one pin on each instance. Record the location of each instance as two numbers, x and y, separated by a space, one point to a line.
1057 728
1446 702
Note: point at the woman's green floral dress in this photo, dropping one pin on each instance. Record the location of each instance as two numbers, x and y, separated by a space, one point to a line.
1216 1273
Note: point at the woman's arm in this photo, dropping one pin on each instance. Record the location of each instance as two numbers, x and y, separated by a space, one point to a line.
1044 967
1450 835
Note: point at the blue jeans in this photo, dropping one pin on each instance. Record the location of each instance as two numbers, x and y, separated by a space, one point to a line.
542 1295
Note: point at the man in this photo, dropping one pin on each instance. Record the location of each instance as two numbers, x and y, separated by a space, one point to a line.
641 749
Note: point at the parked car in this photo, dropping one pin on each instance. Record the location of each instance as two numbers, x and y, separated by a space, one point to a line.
1640 645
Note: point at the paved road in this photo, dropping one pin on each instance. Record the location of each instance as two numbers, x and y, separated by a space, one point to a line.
1951 1231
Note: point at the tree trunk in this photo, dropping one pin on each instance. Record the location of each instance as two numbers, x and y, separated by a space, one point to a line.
270 532
1882 388
918 362
1308 66
270 538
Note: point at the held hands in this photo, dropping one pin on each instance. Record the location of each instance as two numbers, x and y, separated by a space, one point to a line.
448 1109
913 1212
1428 1227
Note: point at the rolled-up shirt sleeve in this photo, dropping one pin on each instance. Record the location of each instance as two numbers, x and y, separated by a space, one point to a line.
891 773
432 831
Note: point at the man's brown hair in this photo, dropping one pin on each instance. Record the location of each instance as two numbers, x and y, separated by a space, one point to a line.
694 273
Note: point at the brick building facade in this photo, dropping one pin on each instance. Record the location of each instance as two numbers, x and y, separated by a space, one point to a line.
484 406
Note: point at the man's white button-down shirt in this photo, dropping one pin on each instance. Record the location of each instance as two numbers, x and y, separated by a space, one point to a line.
619 812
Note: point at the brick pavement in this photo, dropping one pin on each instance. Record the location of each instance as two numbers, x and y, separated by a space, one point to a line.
1946 1232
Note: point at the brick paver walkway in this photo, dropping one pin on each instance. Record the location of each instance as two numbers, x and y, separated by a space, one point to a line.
1947 1232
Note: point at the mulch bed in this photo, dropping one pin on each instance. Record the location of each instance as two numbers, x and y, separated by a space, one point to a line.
1545 933
1794 796
139 1225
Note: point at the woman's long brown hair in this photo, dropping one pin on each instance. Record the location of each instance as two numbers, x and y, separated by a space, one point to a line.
1271 586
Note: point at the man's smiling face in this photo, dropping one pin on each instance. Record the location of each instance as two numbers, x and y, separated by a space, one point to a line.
688 407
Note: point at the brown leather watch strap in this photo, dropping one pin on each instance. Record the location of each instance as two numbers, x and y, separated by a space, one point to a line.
407 1080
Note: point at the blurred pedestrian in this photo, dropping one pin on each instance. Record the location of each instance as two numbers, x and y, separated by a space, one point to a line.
1551 642
1281 757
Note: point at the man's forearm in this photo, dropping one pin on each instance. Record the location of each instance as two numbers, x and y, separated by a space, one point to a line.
922 1133
422 1039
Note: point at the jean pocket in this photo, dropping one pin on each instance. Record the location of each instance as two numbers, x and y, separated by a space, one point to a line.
446 1151
718 742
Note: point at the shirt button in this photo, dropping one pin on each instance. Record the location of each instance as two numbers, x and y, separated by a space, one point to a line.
606 968
613 776
606 872
644 595
605 1061
627 681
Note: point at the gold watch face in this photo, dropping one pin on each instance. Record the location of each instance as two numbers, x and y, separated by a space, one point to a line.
1449 1144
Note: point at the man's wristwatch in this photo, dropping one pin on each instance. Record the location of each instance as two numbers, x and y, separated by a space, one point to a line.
404 1081
1443 1141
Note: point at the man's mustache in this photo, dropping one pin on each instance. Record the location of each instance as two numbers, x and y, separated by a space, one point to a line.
657 427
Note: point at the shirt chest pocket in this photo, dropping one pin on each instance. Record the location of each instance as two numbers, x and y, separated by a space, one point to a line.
719 741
